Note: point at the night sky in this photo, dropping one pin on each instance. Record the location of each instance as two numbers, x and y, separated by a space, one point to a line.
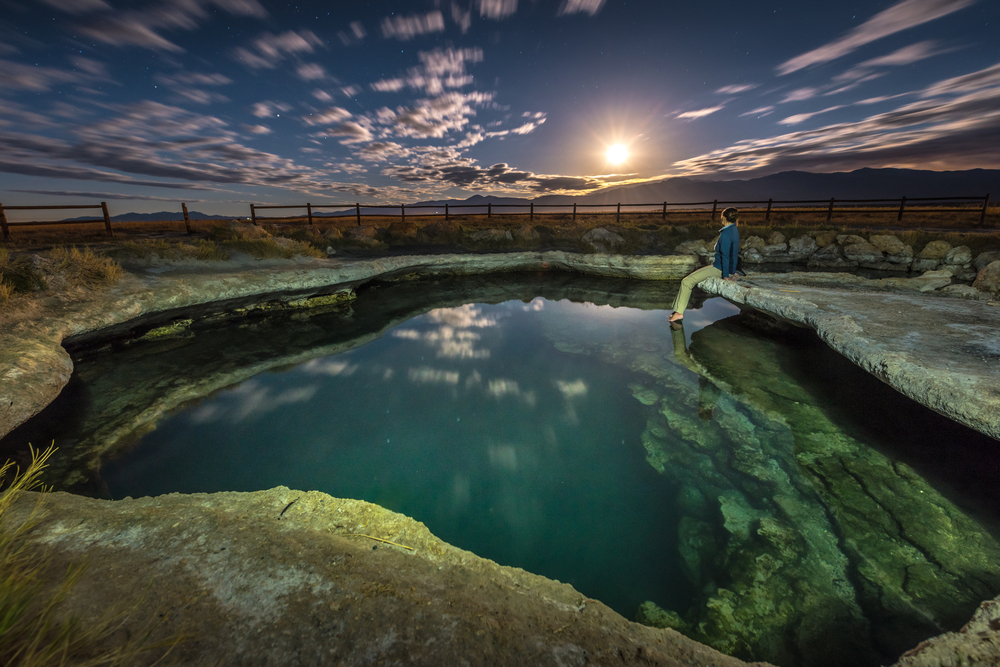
224 102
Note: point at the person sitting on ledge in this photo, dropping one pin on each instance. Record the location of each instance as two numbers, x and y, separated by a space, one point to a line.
726 258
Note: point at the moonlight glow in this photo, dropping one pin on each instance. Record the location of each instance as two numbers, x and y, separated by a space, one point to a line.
617 153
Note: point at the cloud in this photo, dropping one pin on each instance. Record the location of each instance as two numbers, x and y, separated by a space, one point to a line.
574 6
78 6
800 95
381 151
497 9
901 16
428 375
38 79
140 27
270 49
257 129
100 196
161 141
802 117
310 71
461 17
329 367
267 109
759 111
701 113
405 28
955 125
350 132
736 88
439 69
328 116
436 117
355 36
904 56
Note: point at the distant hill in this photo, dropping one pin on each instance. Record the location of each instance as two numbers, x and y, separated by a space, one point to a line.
859 184
162 215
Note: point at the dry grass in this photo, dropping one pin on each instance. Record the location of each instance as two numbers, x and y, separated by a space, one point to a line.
34 632
202 249
268 248
85 268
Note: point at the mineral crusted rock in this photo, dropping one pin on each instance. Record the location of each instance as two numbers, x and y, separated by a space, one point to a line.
492 235
849 239
268 578
824 238
526 233
776 238
831 256
986 258
935 250
988 278
958 256
801 248
602 240
864 253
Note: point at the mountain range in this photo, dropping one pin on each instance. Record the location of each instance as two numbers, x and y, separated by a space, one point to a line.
787 185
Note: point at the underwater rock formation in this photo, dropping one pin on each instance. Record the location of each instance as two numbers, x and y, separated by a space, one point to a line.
797 533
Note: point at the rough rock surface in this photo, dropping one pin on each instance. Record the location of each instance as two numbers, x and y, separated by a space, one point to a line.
942 353
282 577
988 278
976 644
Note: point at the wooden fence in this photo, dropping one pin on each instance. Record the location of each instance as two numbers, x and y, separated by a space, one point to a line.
5 225
847 207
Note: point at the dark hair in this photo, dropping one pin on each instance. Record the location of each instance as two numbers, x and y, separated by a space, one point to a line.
730 214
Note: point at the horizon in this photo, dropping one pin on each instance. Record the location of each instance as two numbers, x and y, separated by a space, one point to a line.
220 103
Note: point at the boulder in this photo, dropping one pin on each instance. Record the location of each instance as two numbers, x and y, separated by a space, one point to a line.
988 278
333 234
929 281
924 265
692 247
752 243
849 239
801 248
831 256
959 256
863 253
443 231
364 236
403 230
823 239
527 233
934 250
776 238
985 259
964 292
602 240
244 231
491 236
895 250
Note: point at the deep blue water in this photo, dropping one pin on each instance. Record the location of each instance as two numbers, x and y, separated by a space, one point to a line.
468 419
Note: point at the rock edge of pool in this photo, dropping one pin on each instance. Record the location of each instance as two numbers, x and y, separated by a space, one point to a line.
258 569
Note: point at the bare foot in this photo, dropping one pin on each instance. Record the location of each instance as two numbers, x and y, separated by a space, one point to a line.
676 316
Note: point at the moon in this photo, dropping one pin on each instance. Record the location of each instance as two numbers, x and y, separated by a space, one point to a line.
617 153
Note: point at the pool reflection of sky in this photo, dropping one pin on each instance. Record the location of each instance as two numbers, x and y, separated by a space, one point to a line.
468 419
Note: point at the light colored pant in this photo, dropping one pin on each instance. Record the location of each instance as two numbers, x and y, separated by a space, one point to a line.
693 278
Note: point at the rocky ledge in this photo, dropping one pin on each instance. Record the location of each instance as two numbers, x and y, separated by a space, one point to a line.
942 352
282 577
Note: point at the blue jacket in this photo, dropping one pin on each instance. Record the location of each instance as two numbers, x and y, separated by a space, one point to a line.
727 250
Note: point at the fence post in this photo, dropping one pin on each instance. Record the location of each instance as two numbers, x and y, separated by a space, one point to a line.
107 218
531 212
618 214
357 211
664 210
402 212
574 211
309 212
489 209
446 214
187 219
715 206
982 216
253 215
3 223
902 205
829 211
767 216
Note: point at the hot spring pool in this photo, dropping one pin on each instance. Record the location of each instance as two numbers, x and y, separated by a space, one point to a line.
739 482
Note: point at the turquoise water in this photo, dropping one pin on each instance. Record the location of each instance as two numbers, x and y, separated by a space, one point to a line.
468 419
733 478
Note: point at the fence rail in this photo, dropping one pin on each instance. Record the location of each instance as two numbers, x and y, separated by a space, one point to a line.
847 207
664 208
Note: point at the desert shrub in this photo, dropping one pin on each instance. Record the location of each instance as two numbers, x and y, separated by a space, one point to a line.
268 248
206 250
85 268
19 274
6 292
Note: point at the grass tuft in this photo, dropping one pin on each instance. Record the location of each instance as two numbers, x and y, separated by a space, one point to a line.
268 248
207 250
33 631
85 268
